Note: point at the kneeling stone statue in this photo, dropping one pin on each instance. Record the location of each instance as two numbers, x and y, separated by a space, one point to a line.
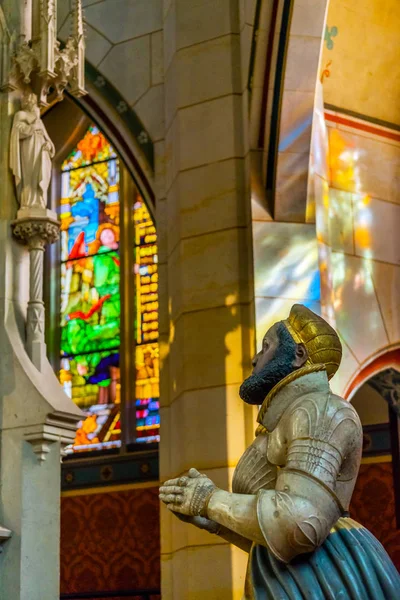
292 487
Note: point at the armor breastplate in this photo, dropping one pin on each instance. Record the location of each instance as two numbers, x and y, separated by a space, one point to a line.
254 471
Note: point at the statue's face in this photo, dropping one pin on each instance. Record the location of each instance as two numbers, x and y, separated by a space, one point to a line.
278 357
269 345
29 102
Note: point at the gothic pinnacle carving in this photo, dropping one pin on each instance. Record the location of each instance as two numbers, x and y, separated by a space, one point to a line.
40 63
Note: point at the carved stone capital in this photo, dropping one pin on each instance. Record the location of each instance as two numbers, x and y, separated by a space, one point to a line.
36 231
57 428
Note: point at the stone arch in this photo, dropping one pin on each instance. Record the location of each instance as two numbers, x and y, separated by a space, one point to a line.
122 126
382 374
386 360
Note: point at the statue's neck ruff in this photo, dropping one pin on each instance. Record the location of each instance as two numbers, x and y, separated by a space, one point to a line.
306 370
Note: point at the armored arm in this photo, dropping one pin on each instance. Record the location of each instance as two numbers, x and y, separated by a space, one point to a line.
214 527
297 516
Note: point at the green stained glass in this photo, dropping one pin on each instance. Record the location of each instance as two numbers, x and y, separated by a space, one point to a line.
90 289
90 304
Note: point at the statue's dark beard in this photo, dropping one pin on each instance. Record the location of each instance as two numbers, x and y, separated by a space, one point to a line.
255 388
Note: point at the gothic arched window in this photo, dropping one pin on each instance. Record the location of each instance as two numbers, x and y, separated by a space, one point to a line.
93 340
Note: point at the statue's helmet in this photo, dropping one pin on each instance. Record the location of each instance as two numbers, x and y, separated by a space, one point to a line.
320 339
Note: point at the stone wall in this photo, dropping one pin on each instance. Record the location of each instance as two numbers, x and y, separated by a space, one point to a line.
358 215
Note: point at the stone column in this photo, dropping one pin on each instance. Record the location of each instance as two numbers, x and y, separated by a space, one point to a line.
36 228
206 292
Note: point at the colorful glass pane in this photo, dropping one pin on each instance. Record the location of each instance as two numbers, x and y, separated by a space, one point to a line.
90 210
146 327
90 304
90 289
92 148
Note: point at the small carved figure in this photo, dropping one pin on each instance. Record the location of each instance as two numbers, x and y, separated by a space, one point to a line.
293 485
31 153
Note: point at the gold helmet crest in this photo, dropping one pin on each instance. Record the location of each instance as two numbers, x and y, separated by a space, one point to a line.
320 339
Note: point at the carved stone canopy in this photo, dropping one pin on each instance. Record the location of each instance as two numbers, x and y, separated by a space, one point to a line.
32 58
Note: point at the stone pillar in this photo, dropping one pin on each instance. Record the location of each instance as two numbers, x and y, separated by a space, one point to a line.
206 289
36 228
36 418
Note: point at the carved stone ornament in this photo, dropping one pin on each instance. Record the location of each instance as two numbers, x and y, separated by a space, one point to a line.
33 59
33 232
57 428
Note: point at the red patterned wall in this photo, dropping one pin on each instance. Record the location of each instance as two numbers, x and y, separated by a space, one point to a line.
373 506
110 541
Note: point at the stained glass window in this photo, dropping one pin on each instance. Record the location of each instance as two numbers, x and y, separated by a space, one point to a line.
90 294
147 382
90 299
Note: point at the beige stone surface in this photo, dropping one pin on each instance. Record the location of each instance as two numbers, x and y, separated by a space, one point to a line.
162 224
341 221
210 132
347 370
208 445
207 349
172 153
363 330
121 20
213 200
157 58
302 63
127 67
194 25
246 40
291 186
376 226
195 575
386 280
97 45
204 71
308 18
364 165
367 35
321 198
159 170
150 110
249 11
296 119
196 284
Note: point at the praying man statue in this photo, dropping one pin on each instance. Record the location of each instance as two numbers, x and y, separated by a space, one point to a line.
31 153
292 487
